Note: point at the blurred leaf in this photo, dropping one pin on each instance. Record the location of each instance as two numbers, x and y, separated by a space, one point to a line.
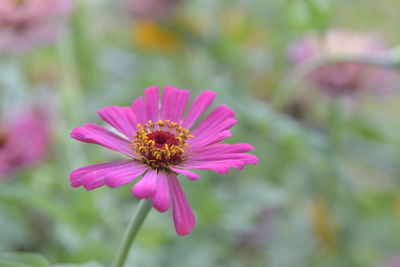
89 264
311 14
19 259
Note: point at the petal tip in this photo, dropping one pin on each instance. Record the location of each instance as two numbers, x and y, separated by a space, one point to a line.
185 230
161 208
210 93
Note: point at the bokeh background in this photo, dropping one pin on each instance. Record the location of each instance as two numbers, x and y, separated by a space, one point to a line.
326 190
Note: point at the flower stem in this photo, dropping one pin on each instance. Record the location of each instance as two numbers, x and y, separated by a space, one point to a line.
131 231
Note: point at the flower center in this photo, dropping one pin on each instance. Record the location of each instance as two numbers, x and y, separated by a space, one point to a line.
161 144
161 138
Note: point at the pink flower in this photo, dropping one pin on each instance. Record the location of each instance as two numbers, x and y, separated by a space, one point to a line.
349 77
26 23
392 261
160 143
23 142
152 9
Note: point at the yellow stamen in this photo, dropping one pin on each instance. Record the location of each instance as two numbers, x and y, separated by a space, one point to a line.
161 155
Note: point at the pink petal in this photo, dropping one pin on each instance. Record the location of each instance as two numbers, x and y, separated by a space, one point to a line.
92 133
191 175
202 102
121 118
93 176
182 212
152 103
161 197
173 103
125 175
223 148
130 115
225 125
219 166
244 157
139 109
213 131
209 140
146 187
216 117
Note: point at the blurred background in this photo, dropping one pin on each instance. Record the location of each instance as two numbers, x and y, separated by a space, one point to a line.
314 83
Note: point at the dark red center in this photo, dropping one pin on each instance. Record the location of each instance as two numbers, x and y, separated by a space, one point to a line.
161 138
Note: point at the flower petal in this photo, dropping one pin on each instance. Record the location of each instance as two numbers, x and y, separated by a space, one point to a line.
92 133
212 133
152 103
191 175
125 175
224 148
216 117
184 219
244 157
139 109
161 197
173 103
146 187
209 140
121 118
93 176
200 104
219 166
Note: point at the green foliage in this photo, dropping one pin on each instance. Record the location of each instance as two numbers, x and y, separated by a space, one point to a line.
11 259
90 264
326 190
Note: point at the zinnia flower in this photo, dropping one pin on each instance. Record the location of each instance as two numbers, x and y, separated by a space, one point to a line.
26 23
348 77
160 143
24 142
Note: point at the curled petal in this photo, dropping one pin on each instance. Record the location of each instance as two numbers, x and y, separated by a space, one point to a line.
125 175
121 118
161 197
146 187
97 175
92 133
191 175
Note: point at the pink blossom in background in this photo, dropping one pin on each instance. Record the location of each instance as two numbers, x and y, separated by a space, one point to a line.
24 141
27 23
161 143
349 77
152 9
392 261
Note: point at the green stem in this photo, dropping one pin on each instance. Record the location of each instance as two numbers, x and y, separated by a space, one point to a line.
131 231
334 128
71 91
